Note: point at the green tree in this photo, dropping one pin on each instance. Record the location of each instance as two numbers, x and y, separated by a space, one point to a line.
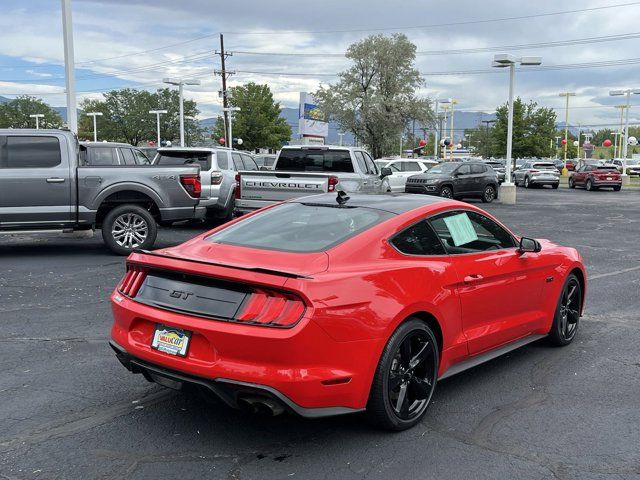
375 99
258 123
15 113
533 128
126 117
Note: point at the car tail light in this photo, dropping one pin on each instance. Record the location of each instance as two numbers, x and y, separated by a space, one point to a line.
216 178
192 185
271 308
237 192
333 181
132 280
534 171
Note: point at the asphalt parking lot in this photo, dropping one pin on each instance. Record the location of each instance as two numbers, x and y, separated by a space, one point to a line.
69 410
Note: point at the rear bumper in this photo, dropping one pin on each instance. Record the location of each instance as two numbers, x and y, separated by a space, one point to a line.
424 189
544 181
607 183
182 213
303 366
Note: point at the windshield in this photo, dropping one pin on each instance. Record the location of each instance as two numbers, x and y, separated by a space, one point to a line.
310 160
298 227
444 168
182 158
633 161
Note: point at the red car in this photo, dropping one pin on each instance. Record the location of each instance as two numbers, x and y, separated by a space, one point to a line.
324 305
593 177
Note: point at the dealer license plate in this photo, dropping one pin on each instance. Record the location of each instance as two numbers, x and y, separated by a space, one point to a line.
171 340
609 178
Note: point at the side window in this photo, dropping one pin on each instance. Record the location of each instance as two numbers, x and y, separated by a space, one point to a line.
249 164
127 156
418 239
371 165
411 167
222 159
477 168
101 156
464 170
30 152
237 161
141 158
470 232
362 165
395 167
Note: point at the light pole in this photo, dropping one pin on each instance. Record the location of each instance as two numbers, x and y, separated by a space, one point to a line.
69 66
508 189
37 116
566 126
157 114
340 134
180 82
452 144
486 136
627 92
230 111
441 101
95 125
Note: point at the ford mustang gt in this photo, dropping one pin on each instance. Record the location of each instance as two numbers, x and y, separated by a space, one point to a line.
327 305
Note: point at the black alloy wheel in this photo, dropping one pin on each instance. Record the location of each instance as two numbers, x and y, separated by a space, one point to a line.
406 377
489 194
446 192
565 322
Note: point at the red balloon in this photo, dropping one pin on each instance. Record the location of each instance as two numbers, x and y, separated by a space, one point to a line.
221 140
606 143
422 143
564 141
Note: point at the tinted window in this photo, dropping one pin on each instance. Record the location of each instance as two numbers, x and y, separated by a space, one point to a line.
411 167
361 163
141 158
395 167
477 168
222 159
311 160
469 232
184 158
419 239
127 156
298 227
464 170
249 164
102 156
237 161
30 152
444 168
371 165
544 166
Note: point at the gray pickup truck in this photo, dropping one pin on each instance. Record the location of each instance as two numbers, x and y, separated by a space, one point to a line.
45 187
307 170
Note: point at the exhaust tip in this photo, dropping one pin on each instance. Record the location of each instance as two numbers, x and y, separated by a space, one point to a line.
261 406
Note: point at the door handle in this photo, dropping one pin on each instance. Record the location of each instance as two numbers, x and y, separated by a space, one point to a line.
473 278
365 183
55 180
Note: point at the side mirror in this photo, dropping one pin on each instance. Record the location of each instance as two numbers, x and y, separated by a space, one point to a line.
529 245
385 172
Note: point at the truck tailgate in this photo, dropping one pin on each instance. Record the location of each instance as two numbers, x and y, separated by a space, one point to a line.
270 186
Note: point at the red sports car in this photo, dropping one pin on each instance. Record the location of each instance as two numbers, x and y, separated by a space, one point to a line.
327 305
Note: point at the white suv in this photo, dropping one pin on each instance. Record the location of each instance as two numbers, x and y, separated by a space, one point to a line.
402 168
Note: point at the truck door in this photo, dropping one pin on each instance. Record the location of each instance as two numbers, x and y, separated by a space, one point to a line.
35 181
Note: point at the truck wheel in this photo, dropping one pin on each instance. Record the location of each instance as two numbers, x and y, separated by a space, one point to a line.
228 213
129 227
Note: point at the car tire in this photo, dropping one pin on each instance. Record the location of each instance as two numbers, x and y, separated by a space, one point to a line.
228 213
446 192
589 185
571 184
415 385
127 228
385 187
617 188
555 186
526 182
489 194
567 316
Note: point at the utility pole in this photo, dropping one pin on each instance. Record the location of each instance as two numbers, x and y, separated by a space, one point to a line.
486 136
69 66
225 102
566 127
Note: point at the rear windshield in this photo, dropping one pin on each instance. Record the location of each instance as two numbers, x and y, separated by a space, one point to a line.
607 167
184 158
298 227
544 166
306 160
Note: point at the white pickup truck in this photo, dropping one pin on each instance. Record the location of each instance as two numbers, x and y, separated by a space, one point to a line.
307 170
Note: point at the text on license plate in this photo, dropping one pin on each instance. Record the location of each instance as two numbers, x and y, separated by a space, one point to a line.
609 178
171 340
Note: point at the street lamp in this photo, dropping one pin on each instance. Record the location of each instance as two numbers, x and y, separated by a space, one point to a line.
340 134
95 127
37 116
452 144
486 136
508 189
441 101
180 82
157 114
566 126
230 110
627 92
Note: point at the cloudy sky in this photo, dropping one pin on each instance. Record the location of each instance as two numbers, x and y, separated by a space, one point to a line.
294 46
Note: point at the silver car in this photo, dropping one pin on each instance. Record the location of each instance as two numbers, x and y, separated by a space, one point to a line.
534 173
218 167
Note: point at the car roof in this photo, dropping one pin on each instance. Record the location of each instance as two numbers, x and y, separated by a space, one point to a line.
195 149
391 202
106 144
320 147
